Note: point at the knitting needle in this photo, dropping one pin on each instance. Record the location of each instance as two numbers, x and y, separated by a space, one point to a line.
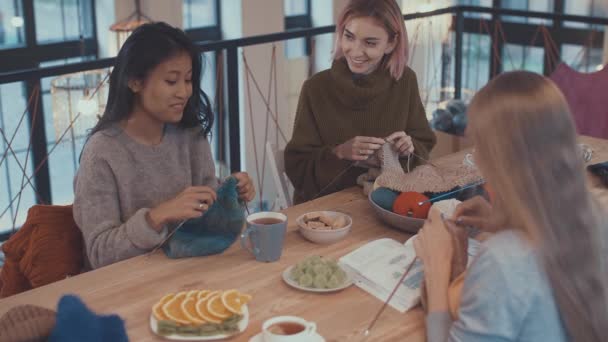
246 208
415 155
452 192
167 238
333 180
407 270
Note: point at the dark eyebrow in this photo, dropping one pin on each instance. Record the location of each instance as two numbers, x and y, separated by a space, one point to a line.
367 39
177 72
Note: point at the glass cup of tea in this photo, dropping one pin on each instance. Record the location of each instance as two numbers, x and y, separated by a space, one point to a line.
264 235
288 329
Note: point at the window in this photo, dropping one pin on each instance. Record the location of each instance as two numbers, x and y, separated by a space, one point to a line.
297 16
199 13
582 58
13 99
518 57
62 32
11 24
476 59
528 5
64 158
62 20
295 7
481 3
596 8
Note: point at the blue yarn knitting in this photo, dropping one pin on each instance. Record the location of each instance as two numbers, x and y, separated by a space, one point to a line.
76 323
215 231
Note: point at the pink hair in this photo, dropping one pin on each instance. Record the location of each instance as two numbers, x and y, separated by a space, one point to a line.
386 12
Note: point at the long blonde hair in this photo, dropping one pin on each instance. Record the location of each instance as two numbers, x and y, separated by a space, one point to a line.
526 149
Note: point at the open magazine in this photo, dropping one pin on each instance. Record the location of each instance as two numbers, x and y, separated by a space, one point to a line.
377 266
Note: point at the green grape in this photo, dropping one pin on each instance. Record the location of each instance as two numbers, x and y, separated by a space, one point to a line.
321 269
333 282
305 280
320 282
340 275
296 273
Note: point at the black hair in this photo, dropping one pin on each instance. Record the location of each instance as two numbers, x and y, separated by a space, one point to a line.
148 46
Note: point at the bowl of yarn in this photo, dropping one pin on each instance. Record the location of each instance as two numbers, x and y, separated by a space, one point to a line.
324 227
400 210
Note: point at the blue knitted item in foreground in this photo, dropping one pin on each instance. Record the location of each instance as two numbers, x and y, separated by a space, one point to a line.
76 323
213 232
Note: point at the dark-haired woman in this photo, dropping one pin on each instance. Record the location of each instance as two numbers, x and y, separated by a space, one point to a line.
147 164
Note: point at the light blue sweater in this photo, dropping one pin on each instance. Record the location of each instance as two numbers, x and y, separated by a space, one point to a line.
506 297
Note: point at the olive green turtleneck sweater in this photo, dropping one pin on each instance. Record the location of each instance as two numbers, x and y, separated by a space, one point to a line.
335 106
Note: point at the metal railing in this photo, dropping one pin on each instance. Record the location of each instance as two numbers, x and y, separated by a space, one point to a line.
461 19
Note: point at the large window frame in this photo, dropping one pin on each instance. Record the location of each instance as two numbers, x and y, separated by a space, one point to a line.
28 57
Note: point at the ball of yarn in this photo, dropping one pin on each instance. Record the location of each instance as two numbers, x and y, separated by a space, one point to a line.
456 107
406 204
442 120
384 198
459 123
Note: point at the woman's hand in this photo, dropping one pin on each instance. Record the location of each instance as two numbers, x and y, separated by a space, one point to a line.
358 148
245 186
402 143
434 247
475 212
190 203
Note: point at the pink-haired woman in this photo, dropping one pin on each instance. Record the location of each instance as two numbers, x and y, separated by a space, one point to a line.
368 97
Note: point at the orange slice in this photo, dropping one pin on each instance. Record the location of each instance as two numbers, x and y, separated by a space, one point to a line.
217 308
173 309
202 293
189 310
201 310
233 301
157 309
210 294
193 294
245 298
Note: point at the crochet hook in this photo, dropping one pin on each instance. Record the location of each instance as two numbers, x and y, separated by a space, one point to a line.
452 192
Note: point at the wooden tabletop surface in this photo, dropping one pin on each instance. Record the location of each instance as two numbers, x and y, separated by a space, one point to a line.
131 287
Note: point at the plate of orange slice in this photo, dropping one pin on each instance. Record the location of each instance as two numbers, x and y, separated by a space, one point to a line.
200 315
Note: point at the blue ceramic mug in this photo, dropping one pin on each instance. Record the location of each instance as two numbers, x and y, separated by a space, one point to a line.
265 235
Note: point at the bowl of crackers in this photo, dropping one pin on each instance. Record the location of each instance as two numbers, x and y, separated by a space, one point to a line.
324 227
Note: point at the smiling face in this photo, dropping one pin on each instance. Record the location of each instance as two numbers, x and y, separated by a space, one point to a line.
163 94
364 43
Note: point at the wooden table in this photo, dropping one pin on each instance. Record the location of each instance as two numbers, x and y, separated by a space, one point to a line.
130 288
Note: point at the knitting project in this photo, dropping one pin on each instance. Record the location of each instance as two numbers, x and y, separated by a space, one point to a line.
424 178
213 232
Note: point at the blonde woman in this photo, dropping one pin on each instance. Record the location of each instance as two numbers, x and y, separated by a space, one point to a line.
543 275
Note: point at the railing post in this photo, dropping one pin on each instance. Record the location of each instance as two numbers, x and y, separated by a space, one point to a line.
458 53
234 132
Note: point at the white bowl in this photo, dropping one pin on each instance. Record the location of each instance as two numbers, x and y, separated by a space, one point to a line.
324 236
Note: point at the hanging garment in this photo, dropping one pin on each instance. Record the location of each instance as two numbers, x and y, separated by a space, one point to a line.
586 95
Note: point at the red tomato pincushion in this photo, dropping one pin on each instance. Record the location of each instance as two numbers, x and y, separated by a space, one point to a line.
406 204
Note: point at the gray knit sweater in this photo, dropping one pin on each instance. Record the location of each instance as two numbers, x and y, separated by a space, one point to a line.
119 180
